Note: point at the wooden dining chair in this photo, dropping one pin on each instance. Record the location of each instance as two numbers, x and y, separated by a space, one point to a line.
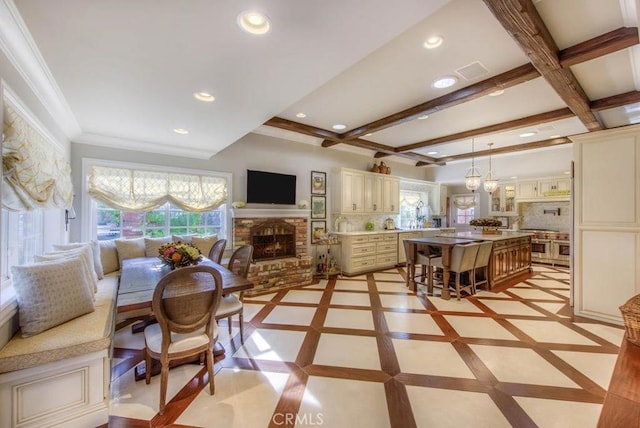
231 304
217 250
184 303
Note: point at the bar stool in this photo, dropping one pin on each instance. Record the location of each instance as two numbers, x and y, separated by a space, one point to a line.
481 268
463 259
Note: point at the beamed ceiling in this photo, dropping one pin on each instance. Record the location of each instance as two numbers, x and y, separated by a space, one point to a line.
122 74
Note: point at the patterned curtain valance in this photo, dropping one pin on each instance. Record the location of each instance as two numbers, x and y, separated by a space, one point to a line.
35 174
136 190
464 202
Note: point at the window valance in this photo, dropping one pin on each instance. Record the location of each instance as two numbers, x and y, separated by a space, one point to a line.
35 174
464 202
137 190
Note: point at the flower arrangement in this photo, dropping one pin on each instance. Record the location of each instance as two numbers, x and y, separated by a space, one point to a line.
178 254
485 222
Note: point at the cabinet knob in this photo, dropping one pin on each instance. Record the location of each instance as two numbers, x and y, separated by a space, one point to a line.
375 207
354 207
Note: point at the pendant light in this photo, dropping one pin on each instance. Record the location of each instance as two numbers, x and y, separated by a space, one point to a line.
473 177
490 183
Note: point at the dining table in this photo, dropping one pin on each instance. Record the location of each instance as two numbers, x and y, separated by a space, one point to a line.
445 243
138 279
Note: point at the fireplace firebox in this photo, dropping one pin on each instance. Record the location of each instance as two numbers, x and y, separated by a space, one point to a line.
273 240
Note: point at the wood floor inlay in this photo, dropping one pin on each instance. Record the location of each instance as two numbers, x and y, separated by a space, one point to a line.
350 351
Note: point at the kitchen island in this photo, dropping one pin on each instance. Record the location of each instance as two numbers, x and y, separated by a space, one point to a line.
510 260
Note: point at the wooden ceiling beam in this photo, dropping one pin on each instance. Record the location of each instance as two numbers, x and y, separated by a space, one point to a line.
522 21
607 43
289 125
505 80
509 149
536 119
631 97
381 148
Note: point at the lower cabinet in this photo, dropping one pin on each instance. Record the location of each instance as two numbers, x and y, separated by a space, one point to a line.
509 258
367 252
402 257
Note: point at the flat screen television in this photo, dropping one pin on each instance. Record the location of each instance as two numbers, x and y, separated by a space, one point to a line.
270 188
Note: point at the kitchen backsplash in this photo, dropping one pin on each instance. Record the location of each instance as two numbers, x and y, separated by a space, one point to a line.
533 215
359 221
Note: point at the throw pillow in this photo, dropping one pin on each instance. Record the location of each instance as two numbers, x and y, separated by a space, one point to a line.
152 245
50 293
86 258
185 239
95 252
130 248
109 256
204 243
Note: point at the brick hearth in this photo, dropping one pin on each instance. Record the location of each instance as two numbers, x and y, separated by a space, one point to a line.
271 275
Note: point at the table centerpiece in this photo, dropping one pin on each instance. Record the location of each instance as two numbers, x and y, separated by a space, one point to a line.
179 254
489 226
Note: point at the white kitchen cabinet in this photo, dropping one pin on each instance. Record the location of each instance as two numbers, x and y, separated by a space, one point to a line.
503 200
359 192
402 236
554 186
527 189
368 252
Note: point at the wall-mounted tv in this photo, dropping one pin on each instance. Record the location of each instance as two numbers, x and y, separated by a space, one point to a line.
270 188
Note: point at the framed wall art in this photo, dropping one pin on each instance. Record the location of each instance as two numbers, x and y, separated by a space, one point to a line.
318 230
318 206
318 183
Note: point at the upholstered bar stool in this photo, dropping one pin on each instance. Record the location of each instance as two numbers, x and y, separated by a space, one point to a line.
463 259
422 258
481 268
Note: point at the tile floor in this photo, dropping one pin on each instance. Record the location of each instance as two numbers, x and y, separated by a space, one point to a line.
367 352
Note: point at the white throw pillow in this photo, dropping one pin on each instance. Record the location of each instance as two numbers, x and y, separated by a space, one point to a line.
204 243
109 256
95 252
185 239
50 293
86 257
152 245
130 248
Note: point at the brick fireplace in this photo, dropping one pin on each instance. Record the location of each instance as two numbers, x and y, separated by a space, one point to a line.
281 246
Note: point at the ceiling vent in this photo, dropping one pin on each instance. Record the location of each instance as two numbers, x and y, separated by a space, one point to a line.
472 71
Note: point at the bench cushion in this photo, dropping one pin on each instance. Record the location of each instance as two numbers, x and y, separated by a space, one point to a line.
88 333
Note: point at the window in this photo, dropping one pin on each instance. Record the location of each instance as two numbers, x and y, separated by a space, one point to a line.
22 238
464 208
413 204
165 221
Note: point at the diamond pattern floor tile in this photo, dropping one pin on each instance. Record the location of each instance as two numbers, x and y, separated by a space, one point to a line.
349 318
560 414
302 296
479 327
400 322
551 331
290 315
343 350
401 302
272 345
350 299
430 358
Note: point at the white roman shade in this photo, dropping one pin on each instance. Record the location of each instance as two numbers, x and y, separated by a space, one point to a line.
464 202
137 190
34 172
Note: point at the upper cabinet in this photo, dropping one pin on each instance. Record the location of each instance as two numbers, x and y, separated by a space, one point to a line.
503 200
556 188
359 192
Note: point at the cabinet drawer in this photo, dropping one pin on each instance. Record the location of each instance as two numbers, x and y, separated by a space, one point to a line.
386 259
376 238
385 247
365 262
358 239
359 249
390 237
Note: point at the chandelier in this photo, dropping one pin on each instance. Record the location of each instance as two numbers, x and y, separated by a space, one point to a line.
473 177
490 183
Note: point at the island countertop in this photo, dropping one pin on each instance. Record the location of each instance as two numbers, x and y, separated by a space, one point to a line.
483 237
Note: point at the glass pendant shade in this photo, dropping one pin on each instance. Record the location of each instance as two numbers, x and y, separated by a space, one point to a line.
472 179
490 183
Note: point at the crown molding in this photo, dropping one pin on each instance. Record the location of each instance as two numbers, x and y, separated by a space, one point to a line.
20 48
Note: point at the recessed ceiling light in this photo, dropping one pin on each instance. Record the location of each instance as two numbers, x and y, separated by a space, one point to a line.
496 93
554 136
254 22
444 82
443 156
301 115
432 153
204 96
567 172
528 134
369 134
423 117
339 126
180 131
433 42
514 177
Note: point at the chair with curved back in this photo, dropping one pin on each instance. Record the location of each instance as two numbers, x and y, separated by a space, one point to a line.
184 303
481 267
463 259
231 304
217 250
